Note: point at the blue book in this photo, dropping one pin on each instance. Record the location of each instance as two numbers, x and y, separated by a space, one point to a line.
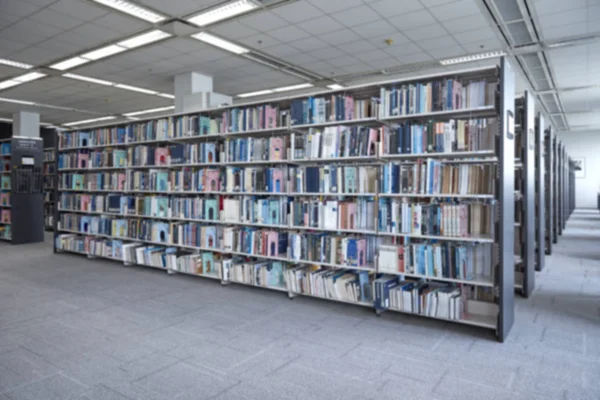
352 252
83 139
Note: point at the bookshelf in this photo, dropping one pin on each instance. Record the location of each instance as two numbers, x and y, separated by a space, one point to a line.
524 194
540 193
571 186
49 187
549 188
5 189
380 197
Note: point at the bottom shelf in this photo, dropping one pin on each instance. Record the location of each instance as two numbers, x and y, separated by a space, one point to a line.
482 321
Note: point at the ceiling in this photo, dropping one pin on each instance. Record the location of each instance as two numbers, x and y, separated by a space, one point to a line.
342 41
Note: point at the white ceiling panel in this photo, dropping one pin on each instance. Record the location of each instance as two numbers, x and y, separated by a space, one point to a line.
465 24
455 9
356 16
234 30
309 44
340 37
289 34
446 52
56 19
10 46
35 55
79 9
370 30
297 12
324 24
545 7
18 8
122 24
334 6
412 20
390 8
263 21
425 32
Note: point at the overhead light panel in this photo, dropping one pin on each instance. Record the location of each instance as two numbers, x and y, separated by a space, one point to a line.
335 86
225 11
15 64
70 63
135 89
221 43
293 87
166 95
133 10
89 121
474 57
32 76
28 103
150 111
88 79
258 93
103 52
144 38
8 83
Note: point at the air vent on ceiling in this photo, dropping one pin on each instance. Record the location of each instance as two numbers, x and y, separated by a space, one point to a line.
550 102
509 10
535 70
519 33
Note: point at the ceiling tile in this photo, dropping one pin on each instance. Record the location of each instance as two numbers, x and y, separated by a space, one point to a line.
385 63
475 36
389 8
340 37
9 46
356 16
56 19
121 23
233 30
308 44
259 41
435 43
415 58
402 50
288 34
465 24
425 32
356 47
36 28
320 25
396 38
281 51
79 9
433 3
35 55
333 6
177 8
373 55
545 7
342 61
412 20
483 45
297 12
18 8
327 53
371 30
446 52
263 21
454 10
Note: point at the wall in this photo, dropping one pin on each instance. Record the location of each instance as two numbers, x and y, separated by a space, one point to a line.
585 144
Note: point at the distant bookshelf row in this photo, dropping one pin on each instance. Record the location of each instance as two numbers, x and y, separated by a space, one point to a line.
49 187
5 189
431 299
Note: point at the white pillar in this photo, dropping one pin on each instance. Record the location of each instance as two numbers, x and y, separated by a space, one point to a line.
26 124
194 92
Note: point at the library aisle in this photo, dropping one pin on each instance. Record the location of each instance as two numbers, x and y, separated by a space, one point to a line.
72 328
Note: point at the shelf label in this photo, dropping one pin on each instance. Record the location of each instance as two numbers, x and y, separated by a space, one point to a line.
510 126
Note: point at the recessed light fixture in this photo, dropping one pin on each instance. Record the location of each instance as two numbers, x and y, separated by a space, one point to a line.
135 89
150 111
29 103
103 52
221 43
474 57
88 79
8 83
166 95
133 9
89 121
258 93
335 86
293 87
70 63
32 76
15 64
223 12
144 38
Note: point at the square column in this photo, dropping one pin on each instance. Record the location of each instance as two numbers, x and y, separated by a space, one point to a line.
26 124
194 92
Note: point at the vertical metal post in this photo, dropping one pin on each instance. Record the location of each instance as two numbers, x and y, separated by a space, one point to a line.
506 228
540 194
528 137
555 188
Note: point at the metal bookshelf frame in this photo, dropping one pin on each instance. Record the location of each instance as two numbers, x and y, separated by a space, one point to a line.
540 194
504 157
549 189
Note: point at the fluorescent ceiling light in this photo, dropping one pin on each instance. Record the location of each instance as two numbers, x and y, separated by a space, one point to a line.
335 86
103 52
258 93
88 121
32 76
133 9
144 38
293 87
5 119
88 79
70 63
225 11
29 103
9 83
474 57
135 89
152 110
15 64
167 95
218 42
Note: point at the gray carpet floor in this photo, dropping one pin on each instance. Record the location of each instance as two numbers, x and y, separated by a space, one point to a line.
72 328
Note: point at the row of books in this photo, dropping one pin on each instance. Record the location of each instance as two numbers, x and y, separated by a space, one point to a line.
5 148
439 260
94 159
431 299
445 219
435 177
186 179
256 273
94 181
5 216
5 182
334 249
335 284
4 199
330 108
439 95
333 179
357 214
95 137
439 137
49 156
334 142
256 149
5 232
